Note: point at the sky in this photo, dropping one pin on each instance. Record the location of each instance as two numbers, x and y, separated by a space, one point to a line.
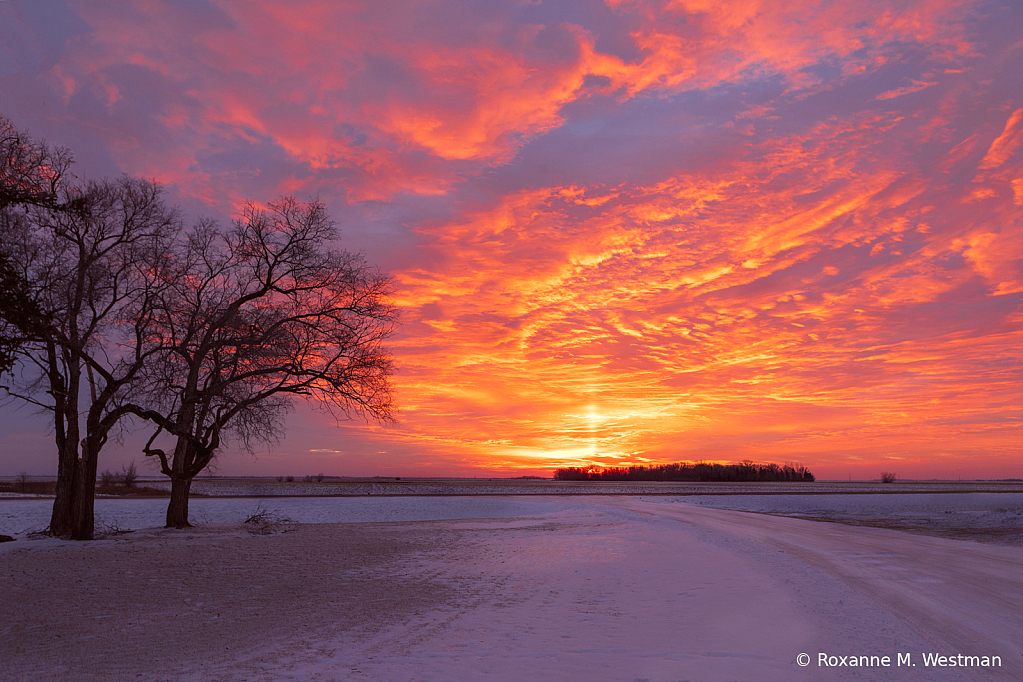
620 232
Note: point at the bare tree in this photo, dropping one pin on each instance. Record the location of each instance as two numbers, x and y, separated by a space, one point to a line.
255 316
31 174
91 261
20 316
203 338
129 475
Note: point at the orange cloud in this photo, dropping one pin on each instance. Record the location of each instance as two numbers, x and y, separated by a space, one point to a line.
916 87
764 301
1005 144
724 41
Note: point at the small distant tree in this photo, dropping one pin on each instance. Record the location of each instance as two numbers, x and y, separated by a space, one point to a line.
319 478
129 475
23 482
887 477
107 478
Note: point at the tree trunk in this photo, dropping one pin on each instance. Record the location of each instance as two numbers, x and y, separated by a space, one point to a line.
83 507
66 433
82 511
60 519
177 510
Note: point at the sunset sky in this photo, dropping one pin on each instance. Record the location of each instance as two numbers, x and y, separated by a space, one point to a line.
620 232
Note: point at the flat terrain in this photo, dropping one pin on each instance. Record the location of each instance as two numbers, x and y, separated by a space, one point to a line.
980 516
379 486
599 588
262 487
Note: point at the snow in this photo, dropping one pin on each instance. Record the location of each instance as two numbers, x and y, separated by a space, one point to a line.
965 512
989 517
863 505
265 487
565 589
134 513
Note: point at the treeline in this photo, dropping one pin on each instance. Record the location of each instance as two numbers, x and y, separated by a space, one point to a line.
680 471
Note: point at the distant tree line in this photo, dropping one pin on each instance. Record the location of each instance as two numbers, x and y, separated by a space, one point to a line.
702 472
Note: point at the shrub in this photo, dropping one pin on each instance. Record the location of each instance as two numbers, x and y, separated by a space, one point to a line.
290 479
267 521
107 478
129 475
887 477
319 478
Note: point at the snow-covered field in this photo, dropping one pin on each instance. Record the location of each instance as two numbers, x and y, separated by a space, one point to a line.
269 487
263 487
18 516
507 588
989 517
996 517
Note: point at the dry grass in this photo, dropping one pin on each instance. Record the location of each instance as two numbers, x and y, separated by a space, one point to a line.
28 487
138 491
49 488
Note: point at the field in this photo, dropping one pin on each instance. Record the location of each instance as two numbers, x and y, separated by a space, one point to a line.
566 588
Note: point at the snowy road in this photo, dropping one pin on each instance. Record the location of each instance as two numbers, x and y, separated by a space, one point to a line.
962 597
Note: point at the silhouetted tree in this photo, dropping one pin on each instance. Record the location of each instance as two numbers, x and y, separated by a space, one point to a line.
254 316
20 316
31 174
89 259
203 337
